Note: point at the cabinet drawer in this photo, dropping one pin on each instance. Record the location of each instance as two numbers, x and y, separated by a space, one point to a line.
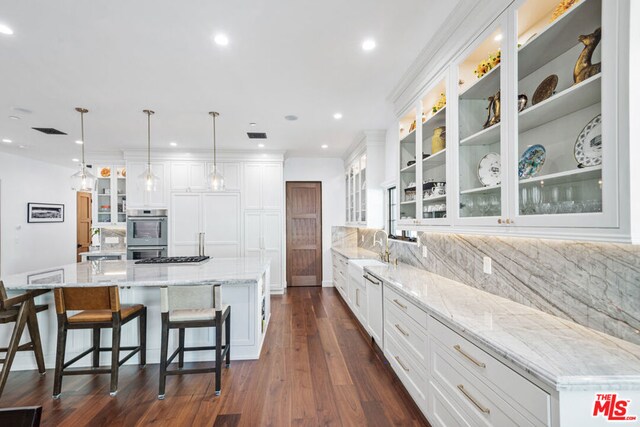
479 400
406 306
529 396
407 369
406 331
443 411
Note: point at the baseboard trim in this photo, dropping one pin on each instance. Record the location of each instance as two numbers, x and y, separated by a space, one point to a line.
327 284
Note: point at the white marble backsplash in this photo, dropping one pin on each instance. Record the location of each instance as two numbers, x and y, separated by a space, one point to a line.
594 284
113 239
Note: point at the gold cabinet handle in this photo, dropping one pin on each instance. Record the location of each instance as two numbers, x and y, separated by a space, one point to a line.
400 304
405 333
401 364
473 400
469 357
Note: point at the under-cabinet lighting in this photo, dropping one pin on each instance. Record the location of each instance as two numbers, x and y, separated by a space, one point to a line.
498 37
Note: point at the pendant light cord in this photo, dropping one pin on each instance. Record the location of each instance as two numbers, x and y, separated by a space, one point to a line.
215 163
149 139
82 135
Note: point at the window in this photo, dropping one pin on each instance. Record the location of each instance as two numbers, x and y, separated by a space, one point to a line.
392 213
392 218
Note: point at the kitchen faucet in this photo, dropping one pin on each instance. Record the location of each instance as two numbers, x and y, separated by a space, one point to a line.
384 250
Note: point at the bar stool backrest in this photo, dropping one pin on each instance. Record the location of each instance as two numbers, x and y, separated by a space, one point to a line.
3 295
188 297
88 298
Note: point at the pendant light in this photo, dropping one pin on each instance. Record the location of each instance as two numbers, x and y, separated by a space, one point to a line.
148 180
83 180
216 180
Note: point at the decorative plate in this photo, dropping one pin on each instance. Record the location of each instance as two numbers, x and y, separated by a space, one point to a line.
531 161
545 89
105 172
588 148
489 170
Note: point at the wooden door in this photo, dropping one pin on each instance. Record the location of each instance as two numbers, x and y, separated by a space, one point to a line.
83 207
304 233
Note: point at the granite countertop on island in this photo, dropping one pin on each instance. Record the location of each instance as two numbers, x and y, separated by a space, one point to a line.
127 273
558 352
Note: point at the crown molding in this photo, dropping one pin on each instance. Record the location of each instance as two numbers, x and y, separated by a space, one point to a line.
205 154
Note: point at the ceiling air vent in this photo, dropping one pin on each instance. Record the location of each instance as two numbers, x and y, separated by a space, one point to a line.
50 131
257 135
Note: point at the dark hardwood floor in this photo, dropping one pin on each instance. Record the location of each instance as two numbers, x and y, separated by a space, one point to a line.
316 369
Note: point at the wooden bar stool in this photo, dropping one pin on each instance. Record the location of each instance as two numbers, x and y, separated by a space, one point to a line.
22 310
193 307
28 416
99 308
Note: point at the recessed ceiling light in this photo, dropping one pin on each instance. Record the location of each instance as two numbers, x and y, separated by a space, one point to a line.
368 44
221 39
5 30
261 145
173 144
291 118
22 146
337 116
325 146
14 117
252 124
78 142
75 160
7 140
498 37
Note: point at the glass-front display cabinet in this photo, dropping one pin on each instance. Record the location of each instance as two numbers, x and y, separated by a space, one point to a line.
562 143
356 191
481 149
110 201
408 175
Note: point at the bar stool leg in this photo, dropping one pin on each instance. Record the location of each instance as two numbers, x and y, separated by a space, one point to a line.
142 333
96 347
218 352
34 333
181 345
227 329
115 358
60 352
14 342
164 344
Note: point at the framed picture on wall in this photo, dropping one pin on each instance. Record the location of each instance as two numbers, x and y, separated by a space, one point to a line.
46 277
45 212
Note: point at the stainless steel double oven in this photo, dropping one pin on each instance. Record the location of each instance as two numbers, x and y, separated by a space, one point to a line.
147 231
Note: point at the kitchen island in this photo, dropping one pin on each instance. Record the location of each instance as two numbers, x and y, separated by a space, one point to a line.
245 287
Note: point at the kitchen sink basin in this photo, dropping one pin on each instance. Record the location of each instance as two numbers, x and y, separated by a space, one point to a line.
356 266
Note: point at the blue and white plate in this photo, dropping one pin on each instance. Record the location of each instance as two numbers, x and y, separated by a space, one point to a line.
531 161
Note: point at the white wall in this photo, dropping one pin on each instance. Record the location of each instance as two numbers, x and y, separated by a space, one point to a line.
330 171
25 246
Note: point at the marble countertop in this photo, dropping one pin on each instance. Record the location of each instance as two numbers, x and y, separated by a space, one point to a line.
558 352
111 252
356 253
127 272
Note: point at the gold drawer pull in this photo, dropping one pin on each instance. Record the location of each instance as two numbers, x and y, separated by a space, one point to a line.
400 304
471 358
402 364
401 330
473 400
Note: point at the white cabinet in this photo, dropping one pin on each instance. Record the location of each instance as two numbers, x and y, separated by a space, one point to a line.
188 176
340 275
513 162
263 186
110 199
136 196
193 175
263 238
363 177
215 214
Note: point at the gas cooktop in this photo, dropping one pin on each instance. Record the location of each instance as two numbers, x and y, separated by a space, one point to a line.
173 260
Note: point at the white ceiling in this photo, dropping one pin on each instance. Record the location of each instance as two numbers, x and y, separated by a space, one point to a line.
116 57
